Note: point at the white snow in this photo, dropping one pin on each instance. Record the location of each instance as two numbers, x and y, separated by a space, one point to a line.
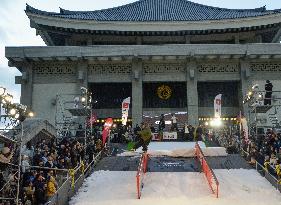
172 145
177 149
237 187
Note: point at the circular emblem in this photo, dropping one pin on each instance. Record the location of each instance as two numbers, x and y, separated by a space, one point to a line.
164 92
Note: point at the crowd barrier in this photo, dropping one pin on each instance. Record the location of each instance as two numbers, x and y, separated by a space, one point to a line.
265 172
210 175
142 168
73 182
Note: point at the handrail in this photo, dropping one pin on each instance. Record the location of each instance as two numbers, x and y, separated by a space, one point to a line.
47 168
77 168
200 155
142 168
206 161
263 167
256 160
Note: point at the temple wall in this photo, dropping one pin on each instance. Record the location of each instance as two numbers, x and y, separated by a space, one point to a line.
66 69
51 79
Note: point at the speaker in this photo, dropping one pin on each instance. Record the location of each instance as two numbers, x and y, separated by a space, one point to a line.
191 73
80 75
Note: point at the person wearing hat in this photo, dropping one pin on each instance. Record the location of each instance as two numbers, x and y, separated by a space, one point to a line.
6 155
268 93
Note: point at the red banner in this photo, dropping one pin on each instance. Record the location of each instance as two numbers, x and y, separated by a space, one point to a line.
106 128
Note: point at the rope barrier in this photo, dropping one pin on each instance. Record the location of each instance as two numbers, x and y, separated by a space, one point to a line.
71 174
82 166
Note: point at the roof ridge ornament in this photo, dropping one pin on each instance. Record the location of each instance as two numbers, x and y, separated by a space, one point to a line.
261 9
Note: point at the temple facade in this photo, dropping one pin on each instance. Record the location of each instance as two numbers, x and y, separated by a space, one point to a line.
169 56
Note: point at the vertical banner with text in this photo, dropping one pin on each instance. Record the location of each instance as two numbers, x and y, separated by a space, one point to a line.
217 106
125 110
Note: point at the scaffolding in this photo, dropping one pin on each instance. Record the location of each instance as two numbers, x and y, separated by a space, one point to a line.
263 112
72 114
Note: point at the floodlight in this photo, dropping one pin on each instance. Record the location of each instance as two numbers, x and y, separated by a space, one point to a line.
83 99
2 91
13 111
30 114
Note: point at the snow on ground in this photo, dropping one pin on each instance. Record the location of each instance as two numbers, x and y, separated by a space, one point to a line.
237 187
177 149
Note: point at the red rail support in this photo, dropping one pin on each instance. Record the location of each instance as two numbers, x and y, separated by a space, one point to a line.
209 173
142 168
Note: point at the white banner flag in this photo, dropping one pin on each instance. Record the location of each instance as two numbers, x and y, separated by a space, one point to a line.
217 106
125 110
245 128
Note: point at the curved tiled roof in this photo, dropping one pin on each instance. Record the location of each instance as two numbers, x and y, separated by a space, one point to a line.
158 10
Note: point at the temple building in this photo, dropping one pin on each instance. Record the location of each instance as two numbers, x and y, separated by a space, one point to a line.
169 56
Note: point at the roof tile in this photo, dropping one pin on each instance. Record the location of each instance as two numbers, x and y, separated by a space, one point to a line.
158 10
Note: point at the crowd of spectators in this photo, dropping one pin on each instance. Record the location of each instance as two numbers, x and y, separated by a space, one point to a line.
266 150
45 166
228 138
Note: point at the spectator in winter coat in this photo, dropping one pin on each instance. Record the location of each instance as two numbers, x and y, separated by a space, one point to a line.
174 120
39 190
51 187
50 163
90 151
28 150
273 160
74 156
29 192
25 163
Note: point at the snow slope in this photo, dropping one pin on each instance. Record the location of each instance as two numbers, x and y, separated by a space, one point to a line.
237 187
177 149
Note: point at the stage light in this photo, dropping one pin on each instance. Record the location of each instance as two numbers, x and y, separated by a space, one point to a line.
30 114
13 111
17 115
250 93
217 122
83 99
8 98
206 123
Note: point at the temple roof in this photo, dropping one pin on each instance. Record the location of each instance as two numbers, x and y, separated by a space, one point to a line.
158 10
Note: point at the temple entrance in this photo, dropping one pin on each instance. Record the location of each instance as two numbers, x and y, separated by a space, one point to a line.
165 98
206 95
108 97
